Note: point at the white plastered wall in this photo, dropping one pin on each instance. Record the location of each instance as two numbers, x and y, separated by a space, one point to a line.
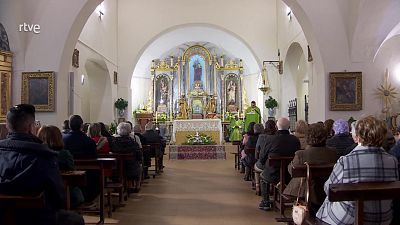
97 45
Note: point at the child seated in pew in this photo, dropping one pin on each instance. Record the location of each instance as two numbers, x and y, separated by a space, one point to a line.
51 136
28 167
367 162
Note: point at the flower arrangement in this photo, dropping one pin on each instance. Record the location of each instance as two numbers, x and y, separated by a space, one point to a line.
229 116
113 128
271 103
162 117
121 104
199 139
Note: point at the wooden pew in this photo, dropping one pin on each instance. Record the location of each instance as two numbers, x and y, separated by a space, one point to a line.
282 162
97 164
9 204
156 149
360 192
317 171
237 153
72 179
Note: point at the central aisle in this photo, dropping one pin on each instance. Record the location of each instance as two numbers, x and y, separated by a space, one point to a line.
195 193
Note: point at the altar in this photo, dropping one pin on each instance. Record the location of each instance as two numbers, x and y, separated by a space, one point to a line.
211 127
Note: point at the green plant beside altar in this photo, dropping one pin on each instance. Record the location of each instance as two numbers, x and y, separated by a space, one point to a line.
121 104
198 139
271 105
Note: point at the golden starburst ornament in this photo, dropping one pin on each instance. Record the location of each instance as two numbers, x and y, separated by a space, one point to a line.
386 92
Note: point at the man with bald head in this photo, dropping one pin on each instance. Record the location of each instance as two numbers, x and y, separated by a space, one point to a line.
281 144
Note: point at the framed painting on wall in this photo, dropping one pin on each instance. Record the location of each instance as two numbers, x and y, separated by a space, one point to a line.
38 89
345 90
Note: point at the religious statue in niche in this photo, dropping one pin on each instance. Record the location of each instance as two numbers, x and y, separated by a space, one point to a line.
163 91
231 93
211 106
197 74
231 96
183 108
162 94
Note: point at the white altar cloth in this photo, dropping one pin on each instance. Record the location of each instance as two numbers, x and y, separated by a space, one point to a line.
200 125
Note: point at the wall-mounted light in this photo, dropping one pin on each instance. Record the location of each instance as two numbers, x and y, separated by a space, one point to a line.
82 79
100 10
289 13
277 64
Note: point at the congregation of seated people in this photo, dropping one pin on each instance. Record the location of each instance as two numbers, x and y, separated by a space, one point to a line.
359 151
33 158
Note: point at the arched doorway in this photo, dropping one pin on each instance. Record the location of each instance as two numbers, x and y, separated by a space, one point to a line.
295 79
96 92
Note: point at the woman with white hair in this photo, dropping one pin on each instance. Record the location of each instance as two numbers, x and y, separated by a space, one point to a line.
342 139
123 143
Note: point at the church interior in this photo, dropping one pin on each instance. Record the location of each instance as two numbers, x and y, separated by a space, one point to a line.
199 74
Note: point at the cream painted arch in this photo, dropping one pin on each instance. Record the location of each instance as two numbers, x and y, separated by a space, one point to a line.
63 36
177 35
55 44
375 23
295 71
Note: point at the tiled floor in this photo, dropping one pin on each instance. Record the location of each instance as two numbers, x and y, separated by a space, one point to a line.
196 193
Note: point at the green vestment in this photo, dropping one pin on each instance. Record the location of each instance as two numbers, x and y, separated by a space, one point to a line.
252 115
236 130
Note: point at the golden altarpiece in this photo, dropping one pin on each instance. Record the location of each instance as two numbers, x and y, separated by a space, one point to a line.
196 85
5 83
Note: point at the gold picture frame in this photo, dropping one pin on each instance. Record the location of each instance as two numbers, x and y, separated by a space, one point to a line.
345 90
38 89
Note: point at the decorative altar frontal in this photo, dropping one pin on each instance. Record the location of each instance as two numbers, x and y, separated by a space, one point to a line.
183 128
197 152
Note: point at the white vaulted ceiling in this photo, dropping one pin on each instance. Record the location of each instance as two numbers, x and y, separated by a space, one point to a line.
217 40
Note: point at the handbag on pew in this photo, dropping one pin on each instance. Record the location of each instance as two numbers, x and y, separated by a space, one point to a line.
299 211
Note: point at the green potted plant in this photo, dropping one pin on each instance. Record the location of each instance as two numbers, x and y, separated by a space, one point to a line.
271 105
121 105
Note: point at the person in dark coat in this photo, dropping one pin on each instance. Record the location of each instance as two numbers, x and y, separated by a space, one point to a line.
83 147
123 143
152 136
77 142
249 160
281 144
28 167
137 132
342 140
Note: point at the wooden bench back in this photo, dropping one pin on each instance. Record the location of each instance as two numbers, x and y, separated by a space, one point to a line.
282 162
360 192
9 203
318 173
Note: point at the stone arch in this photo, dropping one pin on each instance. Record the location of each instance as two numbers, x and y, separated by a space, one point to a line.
294 77
155 49
96 92
316 97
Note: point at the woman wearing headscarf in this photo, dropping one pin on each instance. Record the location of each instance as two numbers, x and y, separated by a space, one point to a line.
342 139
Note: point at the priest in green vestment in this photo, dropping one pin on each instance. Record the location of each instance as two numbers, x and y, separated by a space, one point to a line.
252 114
